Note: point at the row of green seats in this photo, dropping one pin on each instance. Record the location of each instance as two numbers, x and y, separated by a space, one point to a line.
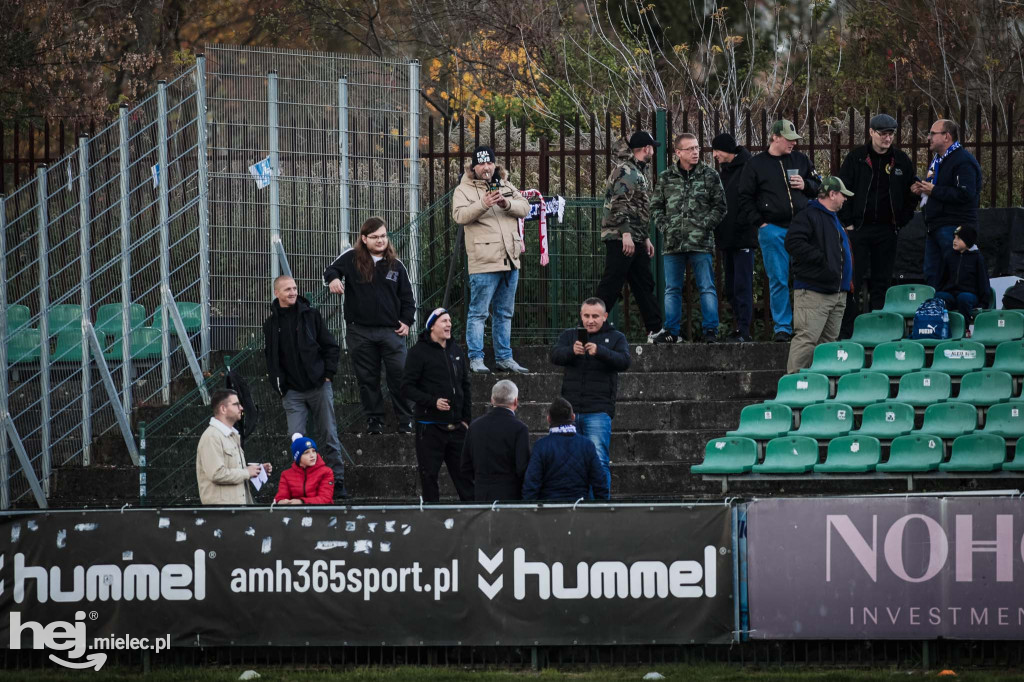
990 328
24 345
905 299
855 454
108 317
886 420
901 357
926 387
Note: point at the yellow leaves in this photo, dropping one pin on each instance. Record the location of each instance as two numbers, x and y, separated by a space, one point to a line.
733 41
681 49
435 69
717 49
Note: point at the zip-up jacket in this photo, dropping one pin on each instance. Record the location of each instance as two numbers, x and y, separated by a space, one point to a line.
764 193
626 198
733 232
954 200
493 243
591 382
312 485
965 273
564 466
686 206
384 301
857 172
819 251
317 349
433 371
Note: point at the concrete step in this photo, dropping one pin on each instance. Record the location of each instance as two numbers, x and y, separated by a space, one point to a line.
680 357
642 416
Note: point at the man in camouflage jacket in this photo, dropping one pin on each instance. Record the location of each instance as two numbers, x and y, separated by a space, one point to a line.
686 206
624 230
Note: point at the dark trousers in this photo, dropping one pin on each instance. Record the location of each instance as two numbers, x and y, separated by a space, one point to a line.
739 286
436 445
965 303
874 251
371 347
318 403
636 270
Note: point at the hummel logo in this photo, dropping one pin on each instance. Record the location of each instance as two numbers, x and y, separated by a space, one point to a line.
490 565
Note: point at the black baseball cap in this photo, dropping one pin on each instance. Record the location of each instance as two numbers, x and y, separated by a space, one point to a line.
642 138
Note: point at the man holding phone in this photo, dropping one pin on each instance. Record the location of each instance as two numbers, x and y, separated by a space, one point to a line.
593 354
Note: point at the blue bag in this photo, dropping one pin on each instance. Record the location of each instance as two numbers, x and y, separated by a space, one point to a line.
931 321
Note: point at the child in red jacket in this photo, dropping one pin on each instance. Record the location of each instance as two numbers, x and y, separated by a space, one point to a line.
309 480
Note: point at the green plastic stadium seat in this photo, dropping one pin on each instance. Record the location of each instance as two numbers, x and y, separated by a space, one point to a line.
801 390
788 455
916 453
191 317
69 345
145 345
837 358
825 420
986 387
1010 358
871 329
1017 465
976 452
924 388
17 316
898 358
957 358
957 328
108 318
764 421
992 327
1005 419
905 299
851 455
23 345
950 420
886 420
63 316
862 388
727 456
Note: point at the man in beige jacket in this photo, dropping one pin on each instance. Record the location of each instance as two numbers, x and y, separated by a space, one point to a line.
221 470
489 208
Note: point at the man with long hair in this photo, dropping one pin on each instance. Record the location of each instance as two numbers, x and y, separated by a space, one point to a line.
379 309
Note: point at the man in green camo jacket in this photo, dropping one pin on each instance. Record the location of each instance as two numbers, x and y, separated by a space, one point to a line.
624 230
687 205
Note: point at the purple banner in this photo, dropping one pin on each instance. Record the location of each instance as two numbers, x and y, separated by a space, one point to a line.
886 568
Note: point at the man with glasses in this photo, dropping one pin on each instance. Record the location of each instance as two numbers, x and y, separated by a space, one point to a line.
221 470
880 177
949 194
686 206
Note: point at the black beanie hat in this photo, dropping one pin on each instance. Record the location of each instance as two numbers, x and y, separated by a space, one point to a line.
724 142
968 235
482 154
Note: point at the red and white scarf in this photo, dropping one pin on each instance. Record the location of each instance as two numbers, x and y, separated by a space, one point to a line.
542 220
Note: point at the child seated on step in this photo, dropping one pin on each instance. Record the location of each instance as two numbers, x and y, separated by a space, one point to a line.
309 480
963 279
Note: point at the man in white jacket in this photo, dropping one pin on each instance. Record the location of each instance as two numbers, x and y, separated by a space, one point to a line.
221 470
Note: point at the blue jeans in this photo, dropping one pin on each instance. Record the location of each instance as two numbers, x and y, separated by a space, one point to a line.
499 289
597 428
675 277
937 244
965 302
772 239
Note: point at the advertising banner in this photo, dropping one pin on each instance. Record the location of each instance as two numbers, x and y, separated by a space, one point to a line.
399 577
886 568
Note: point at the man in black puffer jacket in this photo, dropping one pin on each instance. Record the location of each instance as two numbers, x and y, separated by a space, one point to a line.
736 238
436 380
564 465
593 357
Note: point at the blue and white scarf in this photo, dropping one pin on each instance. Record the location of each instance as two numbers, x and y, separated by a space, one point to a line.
567 428
933 167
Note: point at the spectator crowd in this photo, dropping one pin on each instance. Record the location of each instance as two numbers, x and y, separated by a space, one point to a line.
818 237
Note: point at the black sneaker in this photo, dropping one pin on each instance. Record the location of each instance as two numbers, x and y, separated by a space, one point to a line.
665 336
710 336
737 337
340 491
374 427
405 427
783 337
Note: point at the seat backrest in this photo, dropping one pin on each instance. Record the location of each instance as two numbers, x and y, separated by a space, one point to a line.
979 448
890 416
898 357
108 317
799 450
992 385
853 448
1005 417
802 389
772 414
873 328
861 387
63 316
926 386
904 299
1010 357
17 316
995 326
735 449
23 345
957 326
918 447
837 357
950 417
958 357
830 416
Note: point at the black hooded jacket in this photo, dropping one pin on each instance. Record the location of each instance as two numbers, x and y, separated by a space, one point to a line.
733 232
965 273
433 371
857 173
765 195
591 382
315 346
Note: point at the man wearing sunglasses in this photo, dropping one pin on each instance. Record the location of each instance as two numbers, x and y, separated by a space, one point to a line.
880 177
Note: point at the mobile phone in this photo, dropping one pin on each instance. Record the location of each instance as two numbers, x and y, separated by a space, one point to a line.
494 185
582 335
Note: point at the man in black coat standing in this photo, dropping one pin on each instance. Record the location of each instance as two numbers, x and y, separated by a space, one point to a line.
436 380
497 448
736 238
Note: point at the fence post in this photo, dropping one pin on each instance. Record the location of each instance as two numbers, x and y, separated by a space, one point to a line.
275 189
126 261
414 182
204 214
343 223
163 177
660 162
142 464
86 294
5 462
42 211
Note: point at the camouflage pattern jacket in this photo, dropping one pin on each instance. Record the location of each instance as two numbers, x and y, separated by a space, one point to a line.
626 198
687 206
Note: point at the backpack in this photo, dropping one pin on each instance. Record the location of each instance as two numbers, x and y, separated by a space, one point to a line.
1013 298
931 321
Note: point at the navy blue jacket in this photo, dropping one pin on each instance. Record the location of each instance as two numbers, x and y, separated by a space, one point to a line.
965 273
564 466
954 201
819 251
591 382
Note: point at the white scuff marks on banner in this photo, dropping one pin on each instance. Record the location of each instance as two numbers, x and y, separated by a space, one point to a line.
350 526
32 525
127 555
62 538
307 521
324 545
85 527
333 522
164 522
265 547
200 522
389 526
251 532
449 523
15 532
286 520
372 527
385 546
218 533
406 529
180 536
363 546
